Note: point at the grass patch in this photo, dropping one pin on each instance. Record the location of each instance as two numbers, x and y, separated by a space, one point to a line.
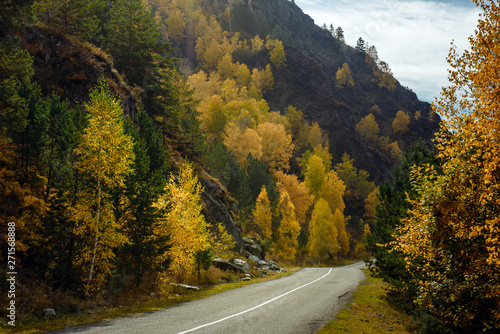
370 312
154 304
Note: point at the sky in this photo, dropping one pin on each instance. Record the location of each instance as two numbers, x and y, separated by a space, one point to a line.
412 36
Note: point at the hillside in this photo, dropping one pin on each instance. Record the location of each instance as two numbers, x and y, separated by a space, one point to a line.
308 83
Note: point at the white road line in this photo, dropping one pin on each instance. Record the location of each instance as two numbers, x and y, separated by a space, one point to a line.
255 307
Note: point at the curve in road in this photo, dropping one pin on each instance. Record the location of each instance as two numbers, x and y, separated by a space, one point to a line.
299 303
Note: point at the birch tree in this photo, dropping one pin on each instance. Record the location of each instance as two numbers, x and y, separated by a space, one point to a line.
106 154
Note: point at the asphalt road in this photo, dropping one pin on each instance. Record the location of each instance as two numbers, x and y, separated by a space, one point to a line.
300 303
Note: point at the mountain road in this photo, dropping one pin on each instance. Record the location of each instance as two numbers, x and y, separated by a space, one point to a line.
299 303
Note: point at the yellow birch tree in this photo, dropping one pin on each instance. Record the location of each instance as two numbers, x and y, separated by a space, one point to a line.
106 154
182 221
288 232
262 213
322 243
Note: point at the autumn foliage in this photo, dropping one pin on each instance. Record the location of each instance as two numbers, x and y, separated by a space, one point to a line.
449 239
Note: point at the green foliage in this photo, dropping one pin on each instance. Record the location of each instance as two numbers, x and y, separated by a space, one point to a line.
74 17
392 208
203 260
15 67
357 185
142 189
259 176
133 37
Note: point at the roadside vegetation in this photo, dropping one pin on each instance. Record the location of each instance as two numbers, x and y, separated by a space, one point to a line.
369 311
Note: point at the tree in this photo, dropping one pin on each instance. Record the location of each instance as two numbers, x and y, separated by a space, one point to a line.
277 146
74 17
182 221
371 203
323 242
391 210
106 154
450 238
243 143
339 34
257 43
215 118
289 229
368 128
400 122
342 235
315 175
372 52
176 23
262 213
132 38
386 79
314 135
332 191
360 45
343 77
277 54
299 195
142 189
258 176
357 185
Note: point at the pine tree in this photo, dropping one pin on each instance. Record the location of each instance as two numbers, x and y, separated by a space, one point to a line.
133 37
389 215
142 189
360 45
339 34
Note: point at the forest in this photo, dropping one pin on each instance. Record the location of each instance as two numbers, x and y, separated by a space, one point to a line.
117 116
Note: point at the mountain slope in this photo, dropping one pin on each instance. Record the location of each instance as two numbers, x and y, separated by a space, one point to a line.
308 83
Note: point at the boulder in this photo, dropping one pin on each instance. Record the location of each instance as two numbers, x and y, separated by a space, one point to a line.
49 312
254 258
222 264
242 265
253 246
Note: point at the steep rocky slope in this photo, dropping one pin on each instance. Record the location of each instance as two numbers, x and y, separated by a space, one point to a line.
72 68
308 83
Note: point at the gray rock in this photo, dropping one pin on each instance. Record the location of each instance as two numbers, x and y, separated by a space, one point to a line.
219 208
262 263
242 265
49 312
185 286
222 264
254 258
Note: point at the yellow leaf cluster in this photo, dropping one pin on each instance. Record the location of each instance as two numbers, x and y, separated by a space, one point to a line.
262 213
182 221
452 231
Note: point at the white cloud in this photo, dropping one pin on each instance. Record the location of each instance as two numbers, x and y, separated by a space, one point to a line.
413 36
